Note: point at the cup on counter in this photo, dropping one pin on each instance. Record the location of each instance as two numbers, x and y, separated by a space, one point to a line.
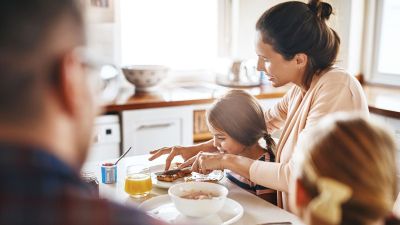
109 173
138 181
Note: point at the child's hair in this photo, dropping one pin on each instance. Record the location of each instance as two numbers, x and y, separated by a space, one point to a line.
295 27
358 154
240 115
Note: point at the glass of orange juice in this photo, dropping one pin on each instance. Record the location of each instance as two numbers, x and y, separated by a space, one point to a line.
138 181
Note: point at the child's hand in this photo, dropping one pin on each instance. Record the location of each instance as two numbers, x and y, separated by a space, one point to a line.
206 162
188 162
188 153
185 152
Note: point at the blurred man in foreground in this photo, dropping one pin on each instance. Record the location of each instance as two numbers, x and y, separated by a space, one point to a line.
47 108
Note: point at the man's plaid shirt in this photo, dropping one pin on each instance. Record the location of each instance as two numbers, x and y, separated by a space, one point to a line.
37 188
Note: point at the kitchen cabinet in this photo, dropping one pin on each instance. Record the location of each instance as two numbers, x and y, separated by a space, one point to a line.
149 129
106 138
394 125
200 128
378 118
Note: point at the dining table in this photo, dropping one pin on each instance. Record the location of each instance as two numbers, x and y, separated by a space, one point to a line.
256 210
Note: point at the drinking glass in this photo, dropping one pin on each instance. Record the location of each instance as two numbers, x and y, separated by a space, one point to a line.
138 181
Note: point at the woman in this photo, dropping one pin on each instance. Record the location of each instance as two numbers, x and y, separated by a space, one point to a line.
345 174
294 45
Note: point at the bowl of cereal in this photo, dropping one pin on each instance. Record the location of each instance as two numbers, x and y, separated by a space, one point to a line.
198 199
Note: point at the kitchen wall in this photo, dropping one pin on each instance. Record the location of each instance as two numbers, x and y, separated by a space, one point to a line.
347 21
102 41
101 29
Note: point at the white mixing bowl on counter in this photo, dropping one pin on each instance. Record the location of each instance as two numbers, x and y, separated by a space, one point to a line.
145 77
198 199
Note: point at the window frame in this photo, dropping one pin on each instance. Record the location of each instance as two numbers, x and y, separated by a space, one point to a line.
373 29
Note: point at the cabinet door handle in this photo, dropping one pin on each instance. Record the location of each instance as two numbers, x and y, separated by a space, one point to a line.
154 126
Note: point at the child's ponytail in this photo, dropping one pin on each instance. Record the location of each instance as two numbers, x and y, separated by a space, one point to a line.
270 145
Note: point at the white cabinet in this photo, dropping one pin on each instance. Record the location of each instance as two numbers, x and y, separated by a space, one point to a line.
378 118
107 139
394 126
149 129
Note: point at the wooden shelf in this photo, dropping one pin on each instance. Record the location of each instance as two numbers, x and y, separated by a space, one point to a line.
199 137
200 129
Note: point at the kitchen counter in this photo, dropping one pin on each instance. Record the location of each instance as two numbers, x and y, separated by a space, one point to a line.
384 101
187 94
381 100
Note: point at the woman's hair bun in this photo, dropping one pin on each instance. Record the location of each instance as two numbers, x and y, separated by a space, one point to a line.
322 10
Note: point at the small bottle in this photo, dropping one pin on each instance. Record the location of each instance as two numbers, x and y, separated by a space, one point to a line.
91 179
109 173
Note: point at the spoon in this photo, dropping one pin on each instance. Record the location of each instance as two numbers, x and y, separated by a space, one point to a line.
123 155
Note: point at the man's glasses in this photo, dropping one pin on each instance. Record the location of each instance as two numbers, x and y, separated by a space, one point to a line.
105 76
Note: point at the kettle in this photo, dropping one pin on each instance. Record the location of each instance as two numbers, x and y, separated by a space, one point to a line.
242 73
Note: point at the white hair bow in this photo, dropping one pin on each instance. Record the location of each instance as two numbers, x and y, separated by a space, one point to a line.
328 204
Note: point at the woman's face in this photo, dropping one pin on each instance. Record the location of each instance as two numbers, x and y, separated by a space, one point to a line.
279 70
225 143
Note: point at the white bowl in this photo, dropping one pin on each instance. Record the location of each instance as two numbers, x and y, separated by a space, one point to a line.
145 77
201 207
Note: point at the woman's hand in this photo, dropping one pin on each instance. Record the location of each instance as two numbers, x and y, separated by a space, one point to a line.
206 162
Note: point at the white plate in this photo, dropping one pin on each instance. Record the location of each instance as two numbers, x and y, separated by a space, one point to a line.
161 184
161 207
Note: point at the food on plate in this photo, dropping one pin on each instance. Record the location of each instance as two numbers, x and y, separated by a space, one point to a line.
200 179
199 195
172 175
213 177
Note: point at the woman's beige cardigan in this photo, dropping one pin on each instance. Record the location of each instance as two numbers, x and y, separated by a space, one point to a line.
297 112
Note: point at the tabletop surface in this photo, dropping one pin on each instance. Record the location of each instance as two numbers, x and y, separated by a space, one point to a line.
256 210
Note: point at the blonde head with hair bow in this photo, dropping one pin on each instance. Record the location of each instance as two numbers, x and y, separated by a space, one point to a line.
329 157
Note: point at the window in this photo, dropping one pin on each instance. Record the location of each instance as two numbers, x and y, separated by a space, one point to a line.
182 34
385 61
